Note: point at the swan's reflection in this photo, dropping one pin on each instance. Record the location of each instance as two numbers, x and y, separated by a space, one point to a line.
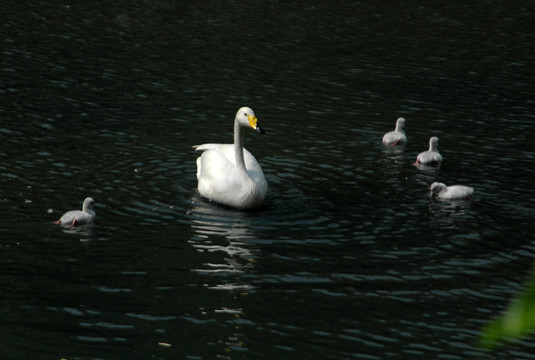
226 240
218 229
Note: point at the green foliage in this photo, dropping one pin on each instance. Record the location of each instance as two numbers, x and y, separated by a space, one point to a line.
516 321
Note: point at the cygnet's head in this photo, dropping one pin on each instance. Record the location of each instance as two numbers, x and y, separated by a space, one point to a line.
246 118
433 142
437 188
89 204
400 123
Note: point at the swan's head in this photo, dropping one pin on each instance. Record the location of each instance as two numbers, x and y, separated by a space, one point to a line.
437 188
89 204
246 117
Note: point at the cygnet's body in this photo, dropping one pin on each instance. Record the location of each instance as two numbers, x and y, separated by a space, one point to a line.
79 217
453 192
431 156
396 137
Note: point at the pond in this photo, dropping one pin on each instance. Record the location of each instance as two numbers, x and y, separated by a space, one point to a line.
348 258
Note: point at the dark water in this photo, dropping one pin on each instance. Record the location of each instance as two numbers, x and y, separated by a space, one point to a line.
348 259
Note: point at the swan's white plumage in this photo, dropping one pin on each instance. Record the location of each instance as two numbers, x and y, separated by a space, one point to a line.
431 156
396 137
453 192
229 174
77 217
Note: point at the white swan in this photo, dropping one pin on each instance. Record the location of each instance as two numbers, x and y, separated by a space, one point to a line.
431 156
229 174
396 137
77 217
453 192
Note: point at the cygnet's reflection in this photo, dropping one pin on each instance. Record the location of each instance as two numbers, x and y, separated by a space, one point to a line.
394 160
218 229
86 231
425 167
450 214
396 153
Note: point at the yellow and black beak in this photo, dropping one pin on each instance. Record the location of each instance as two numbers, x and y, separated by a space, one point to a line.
253 123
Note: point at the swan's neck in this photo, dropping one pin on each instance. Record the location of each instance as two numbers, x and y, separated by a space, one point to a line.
238 147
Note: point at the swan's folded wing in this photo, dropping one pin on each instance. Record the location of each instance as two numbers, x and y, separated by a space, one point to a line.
227 150
205 147
215 174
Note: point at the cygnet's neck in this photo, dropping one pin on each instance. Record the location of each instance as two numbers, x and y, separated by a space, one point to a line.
89 210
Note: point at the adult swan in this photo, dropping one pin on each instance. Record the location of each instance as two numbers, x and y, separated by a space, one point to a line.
229 174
